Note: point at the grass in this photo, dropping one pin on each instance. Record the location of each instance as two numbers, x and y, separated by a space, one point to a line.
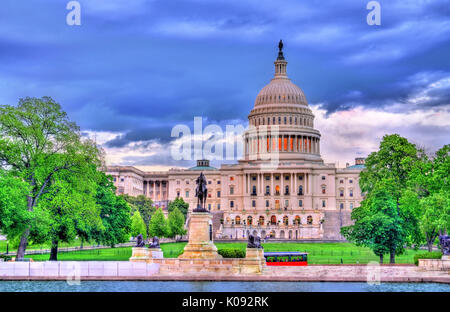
75 243
319 253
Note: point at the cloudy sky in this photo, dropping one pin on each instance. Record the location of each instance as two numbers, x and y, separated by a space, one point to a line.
136 68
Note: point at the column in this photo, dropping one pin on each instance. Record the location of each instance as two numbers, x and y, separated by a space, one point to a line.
295 184
272 191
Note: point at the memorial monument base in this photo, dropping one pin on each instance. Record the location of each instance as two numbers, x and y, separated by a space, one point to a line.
139 254
200 245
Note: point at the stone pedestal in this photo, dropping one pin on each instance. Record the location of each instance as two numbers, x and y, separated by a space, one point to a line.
255 261
446 257
155 253
200 246
139 254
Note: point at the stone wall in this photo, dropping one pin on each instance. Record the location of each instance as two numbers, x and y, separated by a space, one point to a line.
332 224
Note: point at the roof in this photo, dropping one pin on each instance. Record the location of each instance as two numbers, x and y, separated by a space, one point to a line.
202 168
284 253
356 167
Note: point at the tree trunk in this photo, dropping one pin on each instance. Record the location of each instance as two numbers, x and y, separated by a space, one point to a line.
54 251
22 245
381 259
392 257
430 246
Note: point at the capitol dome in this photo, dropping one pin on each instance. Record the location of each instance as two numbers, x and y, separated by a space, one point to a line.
283 104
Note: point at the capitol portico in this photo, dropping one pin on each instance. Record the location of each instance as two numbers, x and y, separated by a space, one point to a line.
280 188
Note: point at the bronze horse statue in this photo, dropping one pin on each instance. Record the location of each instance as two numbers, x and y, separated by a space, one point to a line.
201 192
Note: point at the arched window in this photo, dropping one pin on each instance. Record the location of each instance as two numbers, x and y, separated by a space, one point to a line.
273 220
254 190
249 220
297 220
267 190
261 220
286 220
238 220
300 190
286 190
309 220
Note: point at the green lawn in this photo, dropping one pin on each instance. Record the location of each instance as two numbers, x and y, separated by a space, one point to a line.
75 243
319 253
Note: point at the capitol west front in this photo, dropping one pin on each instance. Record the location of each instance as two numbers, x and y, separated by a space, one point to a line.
301 198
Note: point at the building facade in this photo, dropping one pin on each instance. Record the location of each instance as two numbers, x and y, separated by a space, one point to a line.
280 188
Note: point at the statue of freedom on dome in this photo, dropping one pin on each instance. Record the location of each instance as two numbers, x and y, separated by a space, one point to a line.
280 45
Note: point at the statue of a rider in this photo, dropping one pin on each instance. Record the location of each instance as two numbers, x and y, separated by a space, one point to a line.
201 192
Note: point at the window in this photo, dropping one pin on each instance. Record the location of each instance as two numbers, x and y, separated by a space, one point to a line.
309 220
231 178
209 182
277 178
267 203
341 193
341 181
253 203
267 190
114 179
231 204
218 206
209 207
178 181
341 205
254 178
267 178
277 190
286 220
286 190
351 193
249 220
300 178
187 181
324 189
350 181
286 203
178 193
231 190
187 194
254 190
300 190
297 220
238 220
218 182
122 179
300 203
218 194
323 177
273 220
286 178
351 205
324 203
261 220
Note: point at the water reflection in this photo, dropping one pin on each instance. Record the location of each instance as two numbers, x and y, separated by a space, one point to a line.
186 286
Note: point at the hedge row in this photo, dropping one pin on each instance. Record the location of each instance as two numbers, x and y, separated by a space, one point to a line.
231 253
427 255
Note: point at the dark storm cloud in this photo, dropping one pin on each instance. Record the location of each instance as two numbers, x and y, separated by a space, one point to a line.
139 67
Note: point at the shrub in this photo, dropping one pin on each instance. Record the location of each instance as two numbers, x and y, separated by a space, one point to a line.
5 257
427 255
231 253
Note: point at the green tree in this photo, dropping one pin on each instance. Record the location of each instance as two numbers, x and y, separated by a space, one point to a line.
115 215
377 224
429 195
72 207
391 166
180 204
158 224
138 225
142 204
37 141
175 223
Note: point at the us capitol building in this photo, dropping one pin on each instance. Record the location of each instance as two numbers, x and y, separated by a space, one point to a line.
302 198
